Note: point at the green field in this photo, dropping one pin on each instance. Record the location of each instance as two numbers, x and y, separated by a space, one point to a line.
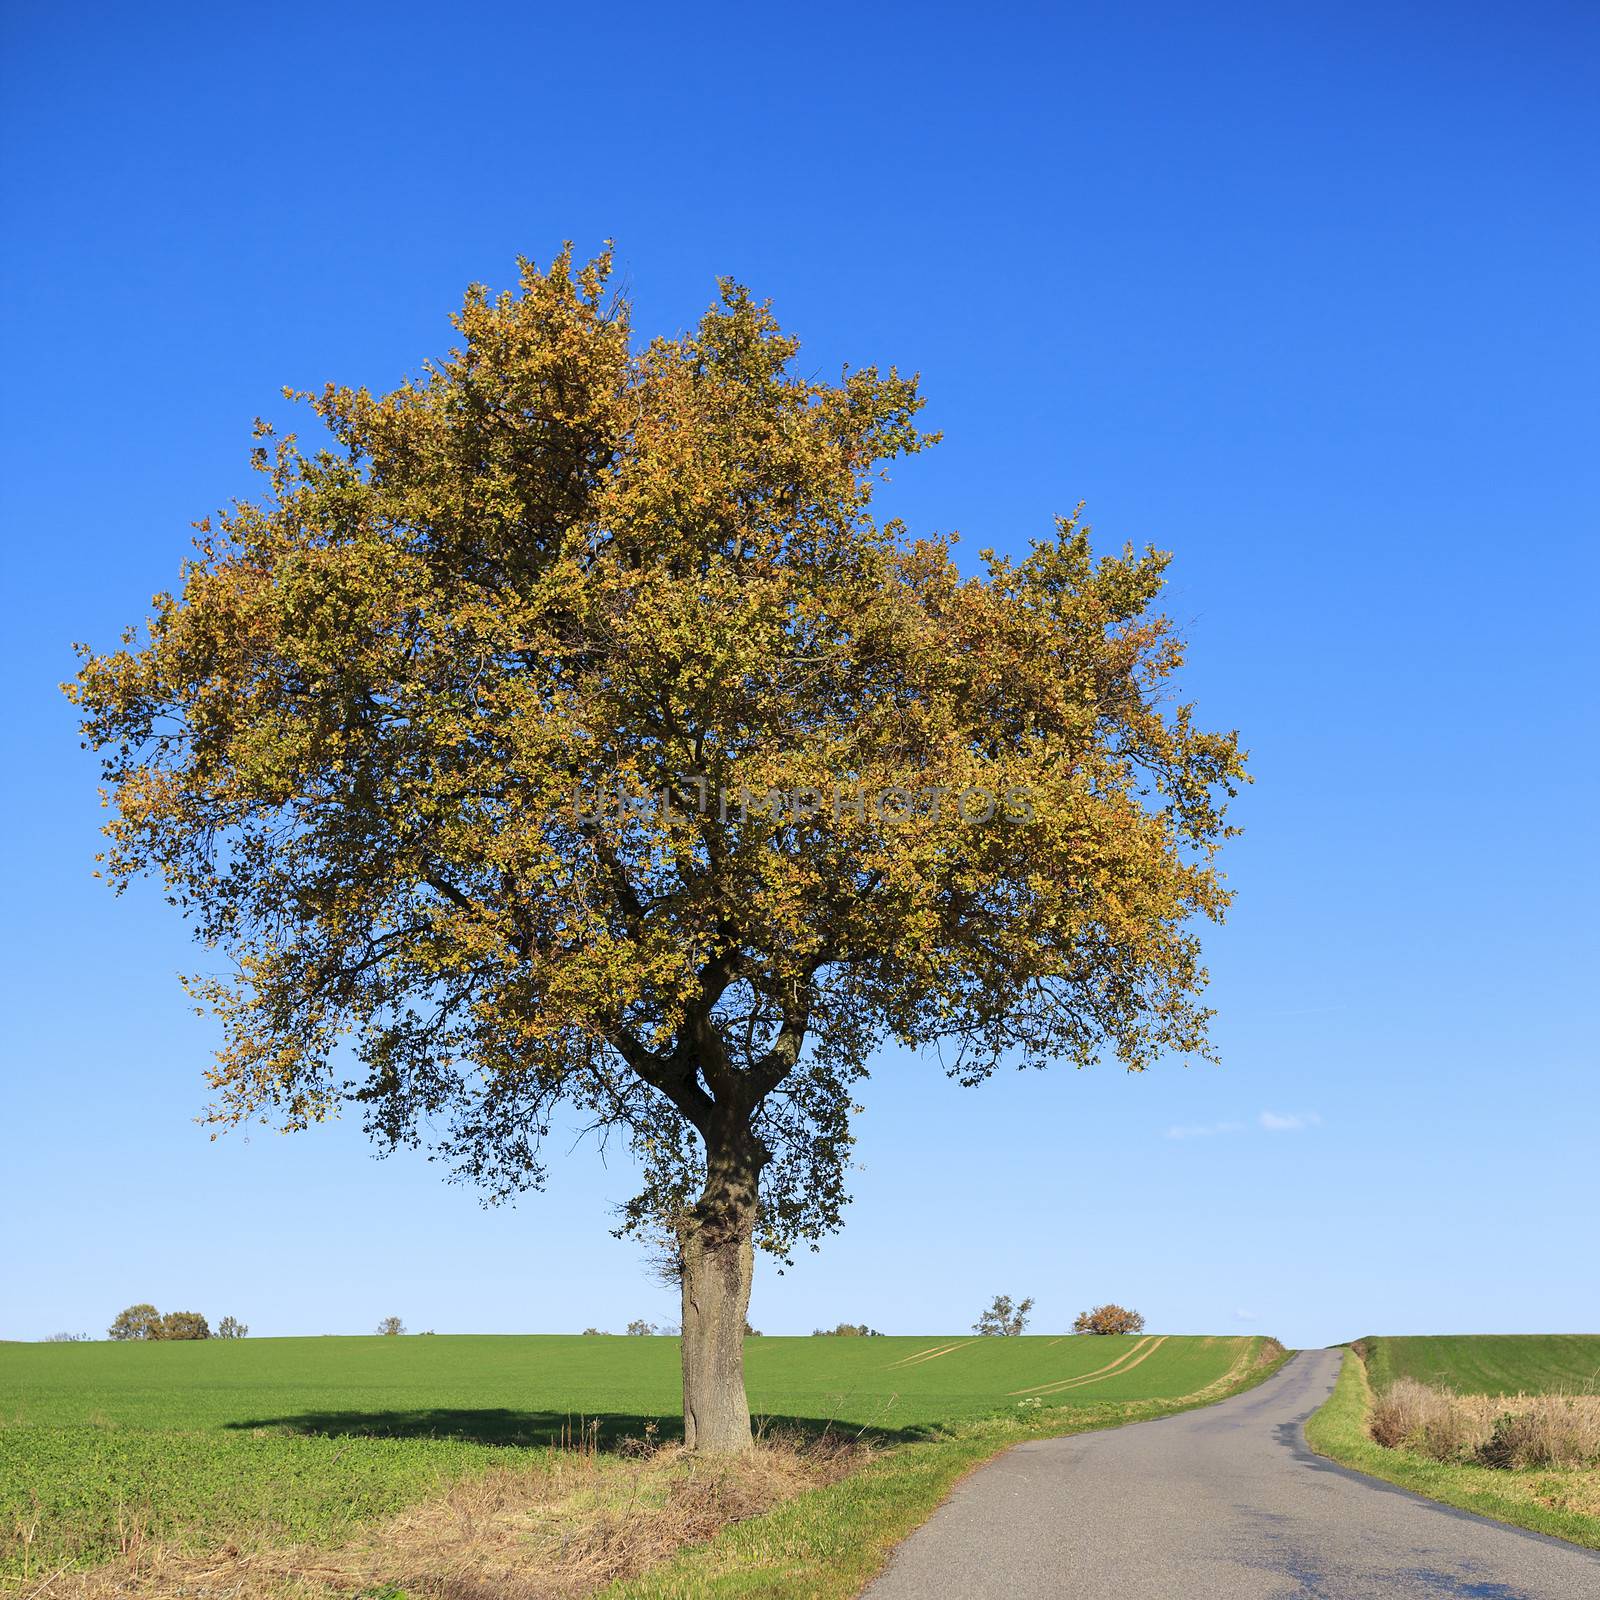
1511 1363
306 1438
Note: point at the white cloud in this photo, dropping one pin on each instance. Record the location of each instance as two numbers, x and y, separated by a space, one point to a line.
1270 1121
1289 1121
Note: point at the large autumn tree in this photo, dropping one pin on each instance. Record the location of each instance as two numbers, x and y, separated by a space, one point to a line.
566 737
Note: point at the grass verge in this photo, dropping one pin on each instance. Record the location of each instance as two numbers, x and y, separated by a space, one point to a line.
1565 1503
555 1526
829 1543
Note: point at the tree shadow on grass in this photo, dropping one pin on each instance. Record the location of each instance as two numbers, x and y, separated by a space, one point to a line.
606 1430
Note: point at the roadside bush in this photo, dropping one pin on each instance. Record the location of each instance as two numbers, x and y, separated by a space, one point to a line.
1506 1431
183 1325
137 1322
1546 1430
1415 1416
1108 1318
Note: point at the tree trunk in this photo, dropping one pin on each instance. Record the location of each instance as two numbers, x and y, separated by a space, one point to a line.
717 1256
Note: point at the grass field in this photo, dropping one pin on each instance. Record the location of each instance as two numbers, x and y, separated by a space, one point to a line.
1564 1502
1511 1363
308 1439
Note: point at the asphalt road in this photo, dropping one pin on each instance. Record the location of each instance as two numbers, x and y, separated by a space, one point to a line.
1222 1502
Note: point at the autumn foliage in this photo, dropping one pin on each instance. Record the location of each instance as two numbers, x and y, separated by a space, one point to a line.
1108 1319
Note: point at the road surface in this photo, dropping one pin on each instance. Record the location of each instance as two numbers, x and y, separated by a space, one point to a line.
1223 1502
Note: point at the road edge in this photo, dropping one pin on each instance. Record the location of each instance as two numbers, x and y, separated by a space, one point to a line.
1337 1430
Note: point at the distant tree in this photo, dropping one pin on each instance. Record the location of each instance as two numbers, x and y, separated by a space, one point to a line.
1108 1319
749 1332
183 1325
595 1333
231 1328
1004 1319
66 1338
641 1329
137 1322
846 1330
391 1326
377 748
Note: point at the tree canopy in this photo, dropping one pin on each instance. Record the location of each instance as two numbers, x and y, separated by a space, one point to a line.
1002 1318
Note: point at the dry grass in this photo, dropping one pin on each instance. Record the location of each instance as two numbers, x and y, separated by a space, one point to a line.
1511 1431
562 1527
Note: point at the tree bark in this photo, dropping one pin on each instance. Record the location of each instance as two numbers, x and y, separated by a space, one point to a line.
717 1259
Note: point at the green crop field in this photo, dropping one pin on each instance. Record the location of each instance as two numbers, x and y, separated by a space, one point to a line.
1489 1363
308 1437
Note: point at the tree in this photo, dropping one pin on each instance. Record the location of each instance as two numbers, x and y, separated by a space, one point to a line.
391 1327
137 1322
231 1328
1108 1319
846 1330
641 1329
1003 1318
570 733
183 1325
66 1338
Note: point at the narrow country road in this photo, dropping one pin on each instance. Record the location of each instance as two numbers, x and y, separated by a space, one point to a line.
1223 1502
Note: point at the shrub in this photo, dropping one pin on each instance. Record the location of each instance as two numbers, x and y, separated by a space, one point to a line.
391 1327
640 1329
66 1338
1004 1319
1546 1430
1507 1431
137 1322
597 1333
749 1332
183 1325
231 1328
846 1330
1109 1318
1413 1416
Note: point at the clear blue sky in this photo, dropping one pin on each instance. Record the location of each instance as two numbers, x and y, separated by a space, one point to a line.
1306 294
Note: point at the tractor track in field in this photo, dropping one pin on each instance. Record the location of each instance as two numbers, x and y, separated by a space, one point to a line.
1126 1362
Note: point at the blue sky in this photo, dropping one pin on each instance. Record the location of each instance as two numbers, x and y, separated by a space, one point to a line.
1305 294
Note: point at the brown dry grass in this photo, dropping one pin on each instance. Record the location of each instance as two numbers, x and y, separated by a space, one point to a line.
552 1530
1513 1431
1268 1351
